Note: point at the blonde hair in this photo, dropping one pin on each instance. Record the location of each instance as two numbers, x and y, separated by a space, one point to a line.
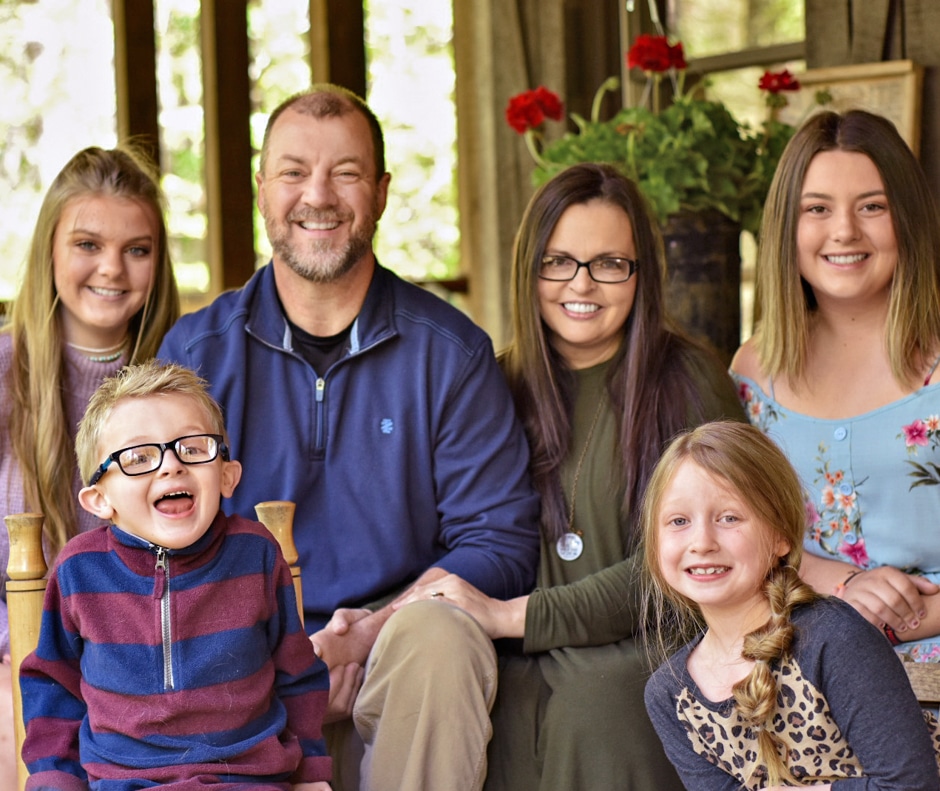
753 466
784 302
40 436
139 381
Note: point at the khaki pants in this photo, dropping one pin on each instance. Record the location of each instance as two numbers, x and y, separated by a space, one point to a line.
421 720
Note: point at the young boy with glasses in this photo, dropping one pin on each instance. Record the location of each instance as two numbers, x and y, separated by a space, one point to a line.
171 652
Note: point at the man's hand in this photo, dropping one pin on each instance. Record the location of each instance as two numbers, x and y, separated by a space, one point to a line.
345 643
344 617
345 683
347 638
335 645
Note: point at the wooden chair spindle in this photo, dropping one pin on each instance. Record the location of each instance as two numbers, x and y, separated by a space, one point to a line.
26 587
278 517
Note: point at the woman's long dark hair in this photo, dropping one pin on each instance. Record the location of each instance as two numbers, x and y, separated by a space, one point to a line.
651 386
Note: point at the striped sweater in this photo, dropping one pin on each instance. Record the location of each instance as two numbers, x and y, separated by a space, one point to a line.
173 667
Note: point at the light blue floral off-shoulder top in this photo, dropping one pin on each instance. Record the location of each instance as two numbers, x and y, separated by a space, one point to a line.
872 482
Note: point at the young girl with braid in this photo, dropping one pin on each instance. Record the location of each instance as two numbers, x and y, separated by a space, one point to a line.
764 696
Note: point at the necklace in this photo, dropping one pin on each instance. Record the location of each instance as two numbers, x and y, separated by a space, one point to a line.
571 545
100 355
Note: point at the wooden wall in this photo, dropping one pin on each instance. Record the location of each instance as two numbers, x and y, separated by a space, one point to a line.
840 32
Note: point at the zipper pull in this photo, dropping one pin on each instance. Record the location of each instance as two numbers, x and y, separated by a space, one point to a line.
321 388
159 582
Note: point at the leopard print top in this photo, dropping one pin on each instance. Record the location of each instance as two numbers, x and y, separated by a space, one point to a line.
816 746
845 712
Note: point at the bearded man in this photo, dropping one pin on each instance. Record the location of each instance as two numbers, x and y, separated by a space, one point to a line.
380 411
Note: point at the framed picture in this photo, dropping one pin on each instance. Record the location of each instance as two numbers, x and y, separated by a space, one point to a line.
892 88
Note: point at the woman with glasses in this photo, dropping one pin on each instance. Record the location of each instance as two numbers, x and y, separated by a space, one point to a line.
97 293
602 380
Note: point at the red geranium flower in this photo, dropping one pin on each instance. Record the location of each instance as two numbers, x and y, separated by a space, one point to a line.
550 103
775 82
529 109
677 56
654 54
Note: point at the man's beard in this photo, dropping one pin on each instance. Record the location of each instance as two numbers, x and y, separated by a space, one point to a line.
317 261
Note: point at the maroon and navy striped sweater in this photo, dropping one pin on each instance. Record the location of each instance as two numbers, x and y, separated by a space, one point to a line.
173 667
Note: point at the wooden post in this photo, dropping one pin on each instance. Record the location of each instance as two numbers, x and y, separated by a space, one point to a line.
135 74
229 183
338 44
278 517
26 588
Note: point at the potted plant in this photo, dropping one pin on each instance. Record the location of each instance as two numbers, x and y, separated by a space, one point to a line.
704 173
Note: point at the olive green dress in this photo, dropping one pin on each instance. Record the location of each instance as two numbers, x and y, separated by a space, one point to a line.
569 713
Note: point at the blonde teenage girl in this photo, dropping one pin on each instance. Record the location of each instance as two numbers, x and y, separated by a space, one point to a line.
842 371
97 292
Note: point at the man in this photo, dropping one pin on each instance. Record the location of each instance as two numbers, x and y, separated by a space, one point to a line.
380 411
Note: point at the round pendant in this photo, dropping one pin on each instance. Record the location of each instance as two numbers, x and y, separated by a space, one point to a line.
569 546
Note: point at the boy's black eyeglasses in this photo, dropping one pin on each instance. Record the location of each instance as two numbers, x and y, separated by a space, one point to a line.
141 459
602 270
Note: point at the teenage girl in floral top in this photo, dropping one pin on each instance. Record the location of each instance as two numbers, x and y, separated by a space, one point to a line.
842 370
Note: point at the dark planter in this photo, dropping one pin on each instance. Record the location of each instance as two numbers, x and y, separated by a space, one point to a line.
703 284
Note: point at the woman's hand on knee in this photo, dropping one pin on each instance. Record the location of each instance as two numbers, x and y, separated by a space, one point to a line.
497 617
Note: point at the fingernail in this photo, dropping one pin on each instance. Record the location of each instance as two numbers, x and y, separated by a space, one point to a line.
922 614
914 624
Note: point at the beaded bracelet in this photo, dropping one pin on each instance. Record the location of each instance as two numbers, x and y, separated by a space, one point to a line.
889 633
839 590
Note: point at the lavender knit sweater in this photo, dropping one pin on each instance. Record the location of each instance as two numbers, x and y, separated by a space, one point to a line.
82 379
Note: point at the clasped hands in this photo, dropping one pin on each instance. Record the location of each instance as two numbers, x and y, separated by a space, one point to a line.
344 644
